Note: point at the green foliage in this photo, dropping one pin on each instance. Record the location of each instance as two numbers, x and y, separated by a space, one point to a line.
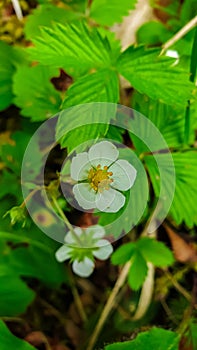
67 48
150 74
168 119
36 96
183 206
140 253
101 86
9 341
15 296
32 257
10 58
46 15
114 11
156 338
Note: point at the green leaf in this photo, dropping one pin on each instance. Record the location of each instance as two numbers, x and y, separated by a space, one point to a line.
156 338
168 119
15 296
192 334
150 74
9 341
107 12
79 136
34 93
75 47
155 252
85 117
47 15
33 258
123 254
152 33
10 57
183 207
138 271
102 86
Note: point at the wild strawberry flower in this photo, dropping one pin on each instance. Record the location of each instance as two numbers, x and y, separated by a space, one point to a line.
101 176
82 255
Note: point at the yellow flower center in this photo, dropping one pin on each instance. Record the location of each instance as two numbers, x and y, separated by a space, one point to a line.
99 178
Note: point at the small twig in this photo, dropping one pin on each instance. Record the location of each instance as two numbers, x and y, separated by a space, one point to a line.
181 33
168 311
109 305
178 286
17 9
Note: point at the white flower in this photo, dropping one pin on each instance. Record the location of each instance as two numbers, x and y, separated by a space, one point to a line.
82 255
101 177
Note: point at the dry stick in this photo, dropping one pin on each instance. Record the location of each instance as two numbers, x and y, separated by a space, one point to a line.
183 31
17 9
109 305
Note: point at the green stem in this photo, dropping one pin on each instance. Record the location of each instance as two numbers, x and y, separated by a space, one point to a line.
68 224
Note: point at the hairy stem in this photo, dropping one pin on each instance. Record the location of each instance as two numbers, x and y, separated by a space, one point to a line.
68 224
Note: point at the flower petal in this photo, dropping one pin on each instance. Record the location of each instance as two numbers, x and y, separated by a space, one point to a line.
104 251
110 201
69 238
83 268
103 153
79 166
84 195
124 175
96 230
63 253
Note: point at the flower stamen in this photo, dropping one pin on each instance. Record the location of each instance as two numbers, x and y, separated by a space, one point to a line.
99 178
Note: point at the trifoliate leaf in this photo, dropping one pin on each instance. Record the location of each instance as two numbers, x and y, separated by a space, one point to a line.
150 74
9 341
75 47
184 203
47 15
155 252
156 338
36 95
138 271
113 11
123 254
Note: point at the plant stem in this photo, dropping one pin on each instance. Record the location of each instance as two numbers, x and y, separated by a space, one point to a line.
77 298
176 284
68 224
182 32
109 305
30 195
